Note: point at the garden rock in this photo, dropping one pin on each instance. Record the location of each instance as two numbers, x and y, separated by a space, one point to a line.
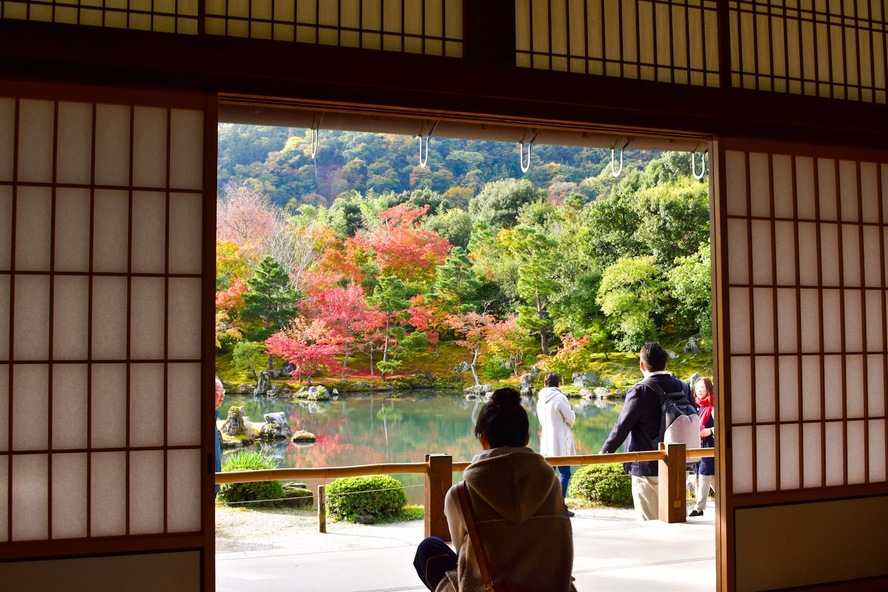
264 384
236 423
478 391
692 347
297 495
671 354
303 436
314 393
585 379
602 393
462 367
275 427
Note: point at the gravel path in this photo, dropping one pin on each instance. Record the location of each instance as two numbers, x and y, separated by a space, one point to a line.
243 530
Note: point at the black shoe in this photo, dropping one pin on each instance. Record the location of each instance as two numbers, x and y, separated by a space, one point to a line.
569 513
696 513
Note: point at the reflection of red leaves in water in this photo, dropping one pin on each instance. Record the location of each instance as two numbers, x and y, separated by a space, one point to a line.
322 440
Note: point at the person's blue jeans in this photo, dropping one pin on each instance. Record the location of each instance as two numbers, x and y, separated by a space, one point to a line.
434 558
564 477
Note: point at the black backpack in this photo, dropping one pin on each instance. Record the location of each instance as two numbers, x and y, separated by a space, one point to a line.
679 420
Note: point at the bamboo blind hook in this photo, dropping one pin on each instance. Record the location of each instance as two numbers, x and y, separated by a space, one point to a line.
525 163
315 136
616 172
424 153
314 143
423 159
702 165
525 166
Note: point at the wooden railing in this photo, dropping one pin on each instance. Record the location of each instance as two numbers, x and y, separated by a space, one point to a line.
439 468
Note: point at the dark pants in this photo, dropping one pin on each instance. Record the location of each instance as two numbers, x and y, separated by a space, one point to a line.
564 478
433 559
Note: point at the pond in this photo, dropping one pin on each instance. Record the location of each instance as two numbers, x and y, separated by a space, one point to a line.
357 430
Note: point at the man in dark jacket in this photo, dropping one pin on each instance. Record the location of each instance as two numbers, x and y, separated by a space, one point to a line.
640 422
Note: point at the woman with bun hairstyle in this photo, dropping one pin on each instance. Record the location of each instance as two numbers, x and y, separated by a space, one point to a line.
517 507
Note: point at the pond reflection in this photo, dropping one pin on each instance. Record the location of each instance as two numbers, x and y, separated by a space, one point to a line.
357 430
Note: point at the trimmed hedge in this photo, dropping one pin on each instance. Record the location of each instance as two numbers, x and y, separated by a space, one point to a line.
607 485
380 496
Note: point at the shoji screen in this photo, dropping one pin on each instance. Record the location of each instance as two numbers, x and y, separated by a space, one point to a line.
102 232
802 258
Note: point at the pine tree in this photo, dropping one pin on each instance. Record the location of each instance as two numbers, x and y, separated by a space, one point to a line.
270 300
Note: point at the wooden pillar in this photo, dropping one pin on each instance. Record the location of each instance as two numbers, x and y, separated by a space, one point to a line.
439 478
673 483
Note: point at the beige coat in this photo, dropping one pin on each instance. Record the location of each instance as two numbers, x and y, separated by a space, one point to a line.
520 515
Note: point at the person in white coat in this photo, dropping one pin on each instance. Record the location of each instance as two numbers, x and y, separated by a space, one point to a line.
556 418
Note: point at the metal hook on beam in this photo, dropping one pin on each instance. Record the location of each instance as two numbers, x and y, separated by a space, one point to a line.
525 166
525 163
614 171
702 165
315 136
424 153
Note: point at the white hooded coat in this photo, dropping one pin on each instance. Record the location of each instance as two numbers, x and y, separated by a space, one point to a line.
556 418
520 516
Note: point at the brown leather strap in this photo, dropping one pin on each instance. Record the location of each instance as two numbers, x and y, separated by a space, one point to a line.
469 519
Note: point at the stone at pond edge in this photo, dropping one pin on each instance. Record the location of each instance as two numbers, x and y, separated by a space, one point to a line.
275 427
478 391
584 379
313 393
236 423
303 436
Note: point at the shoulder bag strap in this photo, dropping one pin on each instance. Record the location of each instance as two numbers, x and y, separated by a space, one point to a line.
469 519
662 395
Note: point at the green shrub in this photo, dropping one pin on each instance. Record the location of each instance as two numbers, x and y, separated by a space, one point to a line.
607 485
244 460
377 495
496 369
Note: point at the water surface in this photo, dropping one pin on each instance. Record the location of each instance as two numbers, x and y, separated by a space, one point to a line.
357 430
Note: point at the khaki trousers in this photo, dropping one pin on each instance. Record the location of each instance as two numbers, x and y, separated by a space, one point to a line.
646 498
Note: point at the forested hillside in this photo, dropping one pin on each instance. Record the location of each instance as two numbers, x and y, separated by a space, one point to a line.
278 161
351 263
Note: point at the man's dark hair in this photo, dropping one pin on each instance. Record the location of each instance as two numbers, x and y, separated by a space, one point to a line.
653 356
551 379
503 420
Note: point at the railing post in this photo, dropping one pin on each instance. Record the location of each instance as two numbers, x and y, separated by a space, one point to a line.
438 479
322 508
672 490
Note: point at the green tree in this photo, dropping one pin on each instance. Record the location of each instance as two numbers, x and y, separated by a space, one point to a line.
673 219
455 225
536 254
691 285
457 283
391 297
631 295
270 300
499 202
248 355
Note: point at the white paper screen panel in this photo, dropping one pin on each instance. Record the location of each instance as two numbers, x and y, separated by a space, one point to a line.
675 41
101 216
806 319
827 49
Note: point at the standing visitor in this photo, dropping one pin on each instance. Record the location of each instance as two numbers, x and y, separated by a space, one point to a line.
556 418
639 421
220 397
518 512
705 469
